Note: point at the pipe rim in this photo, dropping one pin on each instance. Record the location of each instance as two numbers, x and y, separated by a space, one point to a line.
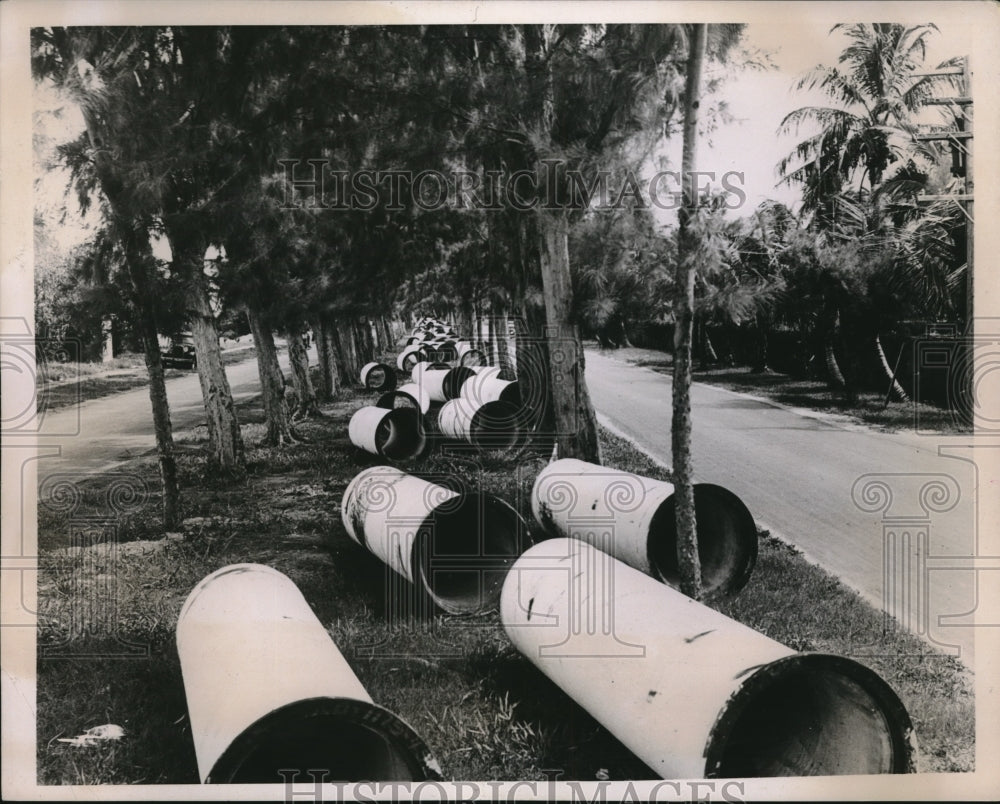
496 555
388 377
810 671
399 435
724 570
406 751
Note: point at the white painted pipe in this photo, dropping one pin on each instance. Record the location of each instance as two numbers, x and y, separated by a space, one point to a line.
393 433
490 371
268 691
691 692
444 383
456 547
411 356
487 425
378 377
632 517
411 393
488 387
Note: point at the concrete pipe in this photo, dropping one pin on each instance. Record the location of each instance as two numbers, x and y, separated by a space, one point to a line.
378 377
691 692
268 691
486 425
410 357
488 387
393 433
632 518
442 384
410 394
456 547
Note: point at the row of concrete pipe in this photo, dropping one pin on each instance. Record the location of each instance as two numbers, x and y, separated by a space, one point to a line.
476 406
691 692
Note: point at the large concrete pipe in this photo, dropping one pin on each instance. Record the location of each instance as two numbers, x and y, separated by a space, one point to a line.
411 356
378 377
393 433
691 692
632 518
456 547
488 387
267 690
485 425
445 383
410 394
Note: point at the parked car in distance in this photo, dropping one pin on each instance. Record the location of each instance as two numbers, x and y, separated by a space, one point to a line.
178 351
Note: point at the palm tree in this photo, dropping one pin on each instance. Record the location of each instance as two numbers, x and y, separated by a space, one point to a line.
867 138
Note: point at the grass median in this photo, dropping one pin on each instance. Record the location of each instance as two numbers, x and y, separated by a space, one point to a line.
483 709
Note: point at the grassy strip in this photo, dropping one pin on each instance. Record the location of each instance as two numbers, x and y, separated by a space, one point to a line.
484 710
59 386
868 409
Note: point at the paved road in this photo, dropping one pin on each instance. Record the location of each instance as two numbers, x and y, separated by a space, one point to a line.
796 473
101 433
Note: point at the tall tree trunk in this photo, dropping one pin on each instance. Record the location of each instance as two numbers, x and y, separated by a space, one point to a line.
890 375
225 441
348 351
500 339
298 359
326 351
689 564
272 383
465 319
325 391
161 409
574 418
138 254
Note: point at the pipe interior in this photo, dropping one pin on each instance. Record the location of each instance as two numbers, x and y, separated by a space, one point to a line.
467 547
378 378
399 435
297 737
815 716
727 541
455 379
495 426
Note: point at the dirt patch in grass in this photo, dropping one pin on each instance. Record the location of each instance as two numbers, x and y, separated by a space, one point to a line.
869 409
484 710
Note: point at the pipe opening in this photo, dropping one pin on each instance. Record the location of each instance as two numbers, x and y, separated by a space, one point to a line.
454 380
727 541
465 550
380 378
495 426
412 358
352 740
400 434
812 715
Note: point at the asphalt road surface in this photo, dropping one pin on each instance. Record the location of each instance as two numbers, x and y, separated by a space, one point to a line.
893 515
99 434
